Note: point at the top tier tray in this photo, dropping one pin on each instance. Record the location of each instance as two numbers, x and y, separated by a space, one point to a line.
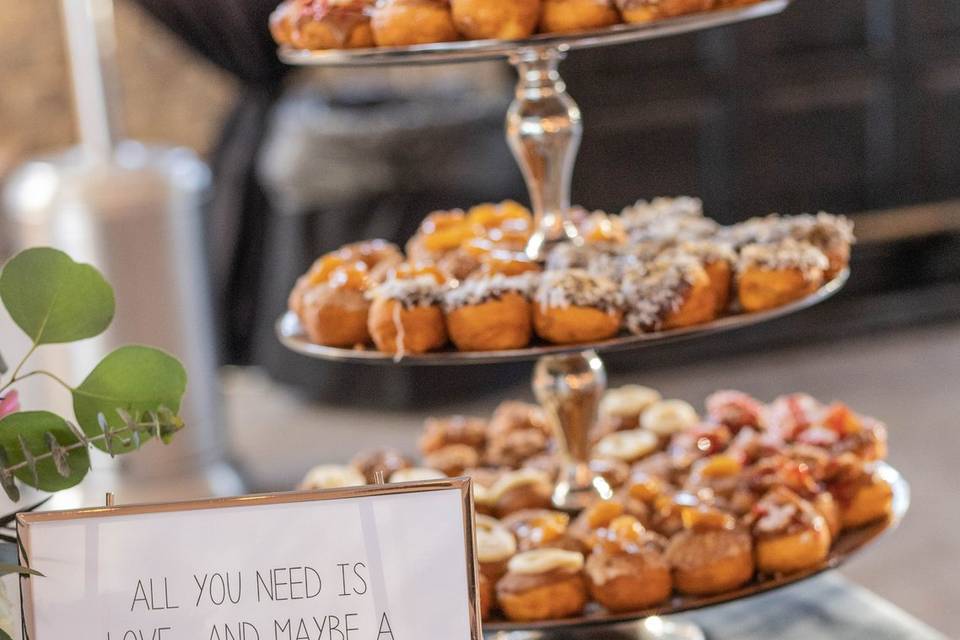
475 50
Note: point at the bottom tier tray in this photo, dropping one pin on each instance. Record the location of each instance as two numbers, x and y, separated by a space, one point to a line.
847 545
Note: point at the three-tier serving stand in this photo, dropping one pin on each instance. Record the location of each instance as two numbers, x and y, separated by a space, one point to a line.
544 128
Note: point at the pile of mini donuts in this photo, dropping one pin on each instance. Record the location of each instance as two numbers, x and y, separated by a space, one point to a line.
353 24
702 504
659 265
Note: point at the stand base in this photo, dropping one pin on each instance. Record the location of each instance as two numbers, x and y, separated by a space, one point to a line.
654 628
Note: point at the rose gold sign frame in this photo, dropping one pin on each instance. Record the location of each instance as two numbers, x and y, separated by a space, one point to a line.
463 485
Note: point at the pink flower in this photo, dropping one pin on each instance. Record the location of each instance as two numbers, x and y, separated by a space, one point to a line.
9 404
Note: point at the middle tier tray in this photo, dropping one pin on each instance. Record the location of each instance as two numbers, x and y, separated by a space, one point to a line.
292 336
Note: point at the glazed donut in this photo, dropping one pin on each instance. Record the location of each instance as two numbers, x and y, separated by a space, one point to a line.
331 302
398 23
641 11
542 529
627 570
490 313
790 535
560 16
710 561
861 494
406 315
595 517
380 257
495 19
574 306
672 293
543 584
333 24
772 275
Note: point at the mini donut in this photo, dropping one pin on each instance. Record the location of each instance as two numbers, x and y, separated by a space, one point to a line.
282 21
440 432
643 11
718 260
670 293
380 257
863 497
331 476
486 589
333 24
544 584
735 409
384 461
668 417
772 275
331 303
721 474
626 404
561 16
512 449
627 446
490 313
710 561
495 546
542 528
595 517
790 535
416 474
832 234
398 23
453 459
495 19
574 306
627 570
518 432
520 490
407 314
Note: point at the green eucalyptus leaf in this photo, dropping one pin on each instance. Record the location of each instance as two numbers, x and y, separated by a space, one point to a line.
7 569
27 430
4 635
131 380
54 299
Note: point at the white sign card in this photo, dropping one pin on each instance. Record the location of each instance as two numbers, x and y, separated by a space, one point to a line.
386 562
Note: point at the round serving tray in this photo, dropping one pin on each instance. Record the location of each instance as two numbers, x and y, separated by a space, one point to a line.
848 544
291 335
474 50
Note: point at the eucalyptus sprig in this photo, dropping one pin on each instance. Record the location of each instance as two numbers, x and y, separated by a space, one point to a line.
131 396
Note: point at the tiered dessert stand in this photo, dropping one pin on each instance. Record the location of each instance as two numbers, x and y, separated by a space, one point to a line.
544 129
